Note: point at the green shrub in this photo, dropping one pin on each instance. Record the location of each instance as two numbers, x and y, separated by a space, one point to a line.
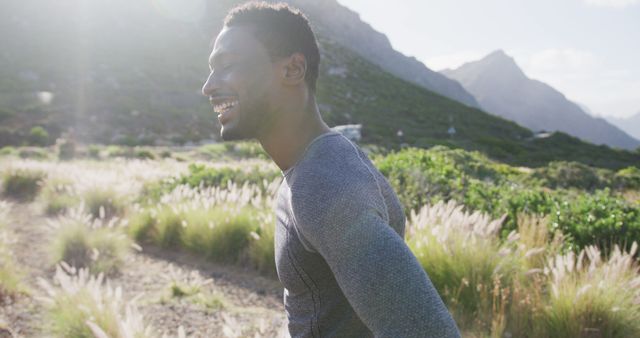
103 202
140 226
463 256
10 277
572 175
235 150
22 184
66 147
38 137
568 191
58 196
83 307
597 219
83 243
628 178
202 176
220 233
33 153
144 154
260 253
590 297
8 151
193 289
94 151
167 229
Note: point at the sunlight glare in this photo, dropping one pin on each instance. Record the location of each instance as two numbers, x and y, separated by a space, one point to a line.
181 10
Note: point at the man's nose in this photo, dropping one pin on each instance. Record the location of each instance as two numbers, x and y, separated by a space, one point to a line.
210 86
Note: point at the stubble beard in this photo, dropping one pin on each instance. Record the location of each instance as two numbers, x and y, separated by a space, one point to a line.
248 123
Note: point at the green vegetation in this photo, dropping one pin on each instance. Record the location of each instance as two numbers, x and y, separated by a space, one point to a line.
513 251
9 274
8 151
571 193
58 196
193 289
83 307
350 90
66 148
200 175
384 104
85 243
103 202
33 153
38 137
523 286
233 150
221 233
22 184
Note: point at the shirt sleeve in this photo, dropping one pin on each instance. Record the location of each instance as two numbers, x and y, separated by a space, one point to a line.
378 274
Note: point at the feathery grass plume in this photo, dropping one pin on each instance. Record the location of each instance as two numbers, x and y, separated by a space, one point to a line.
9 275
22 184
192 287
104 202
81 305
59 196
464 258
535 242
590 296
86 242
222 223
261 254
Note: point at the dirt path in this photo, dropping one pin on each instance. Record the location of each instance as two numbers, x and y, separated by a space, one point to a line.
245 302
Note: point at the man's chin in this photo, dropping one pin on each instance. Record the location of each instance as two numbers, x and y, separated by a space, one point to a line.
232 134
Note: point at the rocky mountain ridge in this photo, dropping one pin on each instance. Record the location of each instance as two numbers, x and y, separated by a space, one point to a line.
503 89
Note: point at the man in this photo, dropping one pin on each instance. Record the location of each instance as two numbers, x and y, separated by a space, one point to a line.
339 238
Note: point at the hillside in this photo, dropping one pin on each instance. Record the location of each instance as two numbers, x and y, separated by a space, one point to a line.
134 77
502 88
631 124
330 19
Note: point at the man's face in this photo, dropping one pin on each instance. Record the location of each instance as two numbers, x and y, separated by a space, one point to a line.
241 84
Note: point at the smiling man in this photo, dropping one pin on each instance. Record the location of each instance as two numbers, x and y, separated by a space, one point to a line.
339 245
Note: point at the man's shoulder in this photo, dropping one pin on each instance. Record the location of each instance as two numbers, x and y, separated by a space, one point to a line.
331 164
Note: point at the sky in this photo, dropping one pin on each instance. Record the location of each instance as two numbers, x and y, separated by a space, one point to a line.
587 49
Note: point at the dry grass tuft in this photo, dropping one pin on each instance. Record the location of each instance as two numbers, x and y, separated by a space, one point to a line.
86 242
10 284
81 305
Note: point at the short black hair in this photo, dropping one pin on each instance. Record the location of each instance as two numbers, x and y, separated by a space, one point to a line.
283 30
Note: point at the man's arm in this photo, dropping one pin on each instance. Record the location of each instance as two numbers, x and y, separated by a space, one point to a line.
378 274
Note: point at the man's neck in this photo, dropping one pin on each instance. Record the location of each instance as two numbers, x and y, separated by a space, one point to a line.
287 141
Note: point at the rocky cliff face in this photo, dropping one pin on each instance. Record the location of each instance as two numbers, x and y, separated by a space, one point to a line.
503 89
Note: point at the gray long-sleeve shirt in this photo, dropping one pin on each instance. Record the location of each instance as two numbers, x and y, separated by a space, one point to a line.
340 251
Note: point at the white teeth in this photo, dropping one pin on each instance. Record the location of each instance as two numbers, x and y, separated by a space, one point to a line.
223 107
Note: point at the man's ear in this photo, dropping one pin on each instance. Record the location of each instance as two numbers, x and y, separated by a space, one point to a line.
295 69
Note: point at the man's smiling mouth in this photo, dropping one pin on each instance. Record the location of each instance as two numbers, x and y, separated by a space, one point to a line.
223 107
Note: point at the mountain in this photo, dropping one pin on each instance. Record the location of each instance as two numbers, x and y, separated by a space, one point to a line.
344 26
631 124
121 71
502 88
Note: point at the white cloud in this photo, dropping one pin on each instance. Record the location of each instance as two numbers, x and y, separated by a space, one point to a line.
563 60
612 3
453 60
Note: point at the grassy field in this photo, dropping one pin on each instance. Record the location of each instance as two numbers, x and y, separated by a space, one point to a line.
513 251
